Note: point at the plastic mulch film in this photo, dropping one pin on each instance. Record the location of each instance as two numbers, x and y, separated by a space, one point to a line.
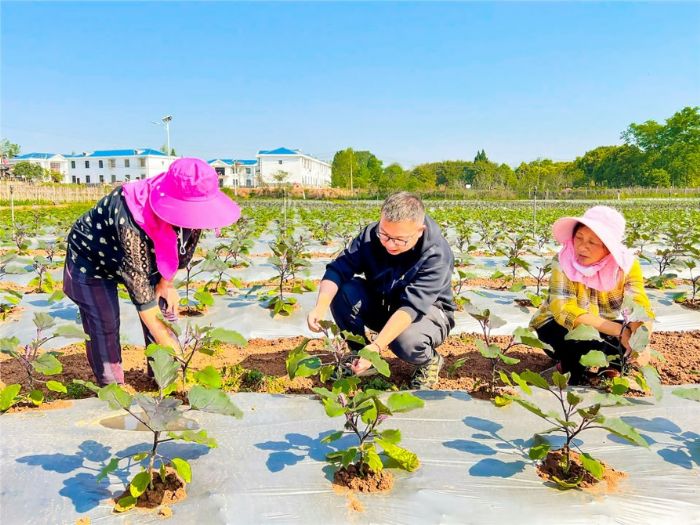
269 466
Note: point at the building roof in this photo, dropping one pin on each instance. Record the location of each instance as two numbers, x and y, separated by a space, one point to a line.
43 156
229 162
119 153
280 151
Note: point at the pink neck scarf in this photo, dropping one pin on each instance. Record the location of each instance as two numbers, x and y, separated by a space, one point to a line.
602 276
160 232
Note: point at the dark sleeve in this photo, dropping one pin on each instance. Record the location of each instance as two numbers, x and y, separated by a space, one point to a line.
433 278
136 268
190 246
347 264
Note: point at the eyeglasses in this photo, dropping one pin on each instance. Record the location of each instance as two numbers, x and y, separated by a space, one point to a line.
401 243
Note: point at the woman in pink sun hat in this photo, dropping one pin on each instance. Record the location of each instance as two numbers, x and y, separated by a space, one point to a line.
591 276
139 235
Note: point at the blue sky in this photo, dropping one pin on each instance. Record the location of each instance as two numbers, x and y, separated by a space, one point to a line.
412 82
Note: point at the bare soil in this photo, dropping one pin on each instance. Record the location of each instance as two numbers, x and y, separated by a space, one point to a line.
681 351
692 304
360 478
552 467
172 491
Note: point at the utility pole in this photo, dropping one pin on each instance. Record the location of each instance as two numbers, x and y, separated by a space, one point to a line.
352 159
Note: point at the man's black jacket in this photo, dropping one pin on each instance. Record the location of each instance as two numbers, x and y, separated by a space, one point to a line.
411 281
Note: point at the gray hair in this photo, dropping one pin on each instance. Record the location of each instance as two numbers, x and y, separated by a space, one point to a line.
403 206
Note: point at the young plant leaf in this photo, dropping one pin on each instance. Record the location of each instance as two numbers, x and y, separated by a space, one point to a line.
583 332
692 393
621 429
405 459
71 331
639 339
561 381
214 401
114 396
372 458
568 484
140 483
227 336
201 437
651 375
489 352
592 465
56 386
48 365
391 435
539 452
43 321
404 402
183 469
208 377
507 359
594 358
534 379
164 367
376 360
36 397
8 396
333 408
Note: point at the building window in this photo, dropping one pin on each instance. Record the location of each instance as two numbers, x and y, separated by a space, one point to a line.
102 179
101 164
279 162
127 177
112 163
247 171
114 178
73 178
87 179
87 163
72 164
142 162
143 176
127 164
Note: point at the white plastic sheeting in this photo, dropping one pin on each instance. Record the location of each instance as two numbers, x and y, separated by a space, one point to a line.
269 466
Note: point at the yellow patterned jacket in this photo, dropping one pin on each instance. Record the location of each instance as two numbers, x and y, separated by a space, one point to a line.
569 299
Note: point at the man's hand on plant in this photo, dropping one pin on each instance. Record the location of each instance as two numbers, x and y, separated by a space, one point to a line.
361 364
167 291
314 318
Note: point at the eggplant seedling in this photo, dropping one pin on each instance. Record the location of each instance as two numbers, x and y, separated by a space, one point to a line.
571 421
644 378
164 418
497 355
35 363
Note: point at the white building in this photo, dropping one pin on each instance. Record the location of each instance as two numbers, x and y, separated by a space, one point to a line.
301 168
48 161
235 172
119 165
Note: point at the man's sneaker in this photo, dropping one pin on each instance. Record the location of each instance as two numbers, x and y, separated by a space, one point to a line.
426 376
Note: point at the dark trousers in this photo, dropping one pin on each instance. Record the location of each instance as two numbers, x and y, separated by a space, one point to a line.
569 352
355 307
98 303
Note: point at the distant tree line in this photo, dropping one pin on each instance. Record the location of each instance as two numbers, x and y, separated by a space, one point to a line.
652 155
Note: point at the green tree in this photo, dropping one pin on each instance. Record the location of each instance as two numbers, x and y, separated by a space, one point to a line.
9 149
29 171
673 146
481 156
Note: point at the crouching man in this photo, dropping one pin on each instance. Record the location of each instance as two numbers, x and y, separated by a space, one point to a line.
395 278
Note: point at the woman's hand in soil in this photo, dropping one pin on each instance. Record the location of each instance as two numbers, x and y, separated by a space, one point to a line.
167 291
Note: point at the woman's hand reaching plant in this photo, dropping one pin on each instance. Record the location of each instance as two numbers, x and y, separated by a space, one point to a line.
166 291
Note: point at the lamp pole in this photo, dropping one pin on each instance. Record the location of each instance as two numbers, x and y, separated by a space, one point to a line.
166 122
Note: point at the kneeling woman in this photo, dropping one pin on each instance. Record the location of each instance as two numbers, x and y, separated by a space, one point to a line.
591 276
139 235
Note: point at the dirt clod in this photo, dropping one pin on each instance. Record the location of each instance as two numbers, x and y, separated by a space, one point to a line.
367 481
172 491
552 467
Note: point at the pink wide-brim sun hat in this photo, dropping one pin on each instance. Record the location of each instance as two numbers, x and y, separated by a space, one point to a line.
188 196
607 223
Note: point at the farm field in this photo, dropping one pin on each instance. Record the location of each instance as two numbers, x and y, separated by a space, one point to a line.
250 286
